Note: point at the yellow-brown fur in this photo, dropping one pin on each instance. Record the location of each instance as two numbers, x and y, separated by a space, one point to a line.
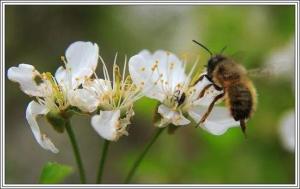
228 75
238 90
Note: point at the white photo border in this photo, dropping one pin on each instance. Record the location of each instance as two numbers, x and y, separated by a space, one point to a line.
80 2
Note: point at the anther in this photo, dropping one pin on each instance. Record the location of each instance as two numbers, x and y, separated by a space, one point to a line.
154 67
63 58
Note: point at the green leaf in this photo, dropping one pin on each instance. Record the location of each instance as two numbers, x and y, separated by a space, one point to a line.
54 173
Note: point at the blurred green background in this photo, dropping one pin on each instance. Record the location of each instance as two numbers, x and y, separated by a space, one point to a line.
39 35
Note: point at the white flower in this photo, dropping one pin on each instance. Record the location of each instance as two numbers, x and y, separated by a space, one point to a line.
281 62
112 98
53 93
161 76
287 131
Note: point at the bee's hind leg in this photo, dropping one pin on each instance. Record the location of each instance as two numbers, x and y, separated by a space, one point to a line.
243 127
210 107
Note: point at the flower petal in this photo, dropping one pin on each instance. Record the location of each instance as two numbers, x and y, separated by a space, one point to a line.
171 67
107 124
91 96
61 75
82 59
146 54
33 110
29 78
156 74
142 76
84 99
171 116
218 121
125 121
98 86
209 94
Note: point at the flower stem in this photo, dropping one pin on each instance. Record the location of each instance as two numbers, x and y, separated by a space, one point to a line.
102 161
142 155
76 151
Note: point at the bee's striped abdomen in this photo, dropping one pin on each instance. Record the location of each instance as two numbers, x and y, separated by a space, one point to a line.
240 101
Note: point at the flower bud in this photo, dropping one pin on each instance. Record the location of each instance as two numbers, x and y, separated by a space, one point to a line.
56 120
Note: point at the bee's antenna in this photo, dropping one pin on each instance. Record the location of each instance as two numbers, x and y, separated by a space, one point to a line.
223 49
204 47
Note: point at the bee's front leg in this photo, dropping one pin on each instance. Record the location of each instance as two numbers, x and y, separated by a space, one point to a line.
207 87
201 94
210 107
217 87
201 78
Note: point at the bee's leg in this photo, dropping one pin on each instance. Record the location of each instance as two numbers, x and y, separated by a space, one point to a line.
210 107
208 86
217 87
201 78
204 90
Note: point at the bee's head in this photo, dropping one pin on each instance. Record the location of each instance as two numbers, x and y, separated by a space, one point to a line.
213 62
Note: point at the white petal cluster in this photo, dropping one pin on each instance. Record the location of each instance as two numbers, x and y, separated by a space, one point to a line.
110 100
161 76
113 100
53 94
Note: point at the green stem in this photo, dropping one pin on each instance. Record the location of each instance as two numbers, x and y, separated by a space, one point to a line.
76 151
142 155
102 161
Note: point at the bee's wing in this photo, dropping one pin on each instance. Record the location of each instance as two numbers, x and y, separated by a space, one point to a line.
260 72
272 70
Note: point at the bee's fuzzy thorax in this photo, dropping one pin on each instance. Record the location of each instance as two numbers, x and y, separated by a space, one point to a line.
239 91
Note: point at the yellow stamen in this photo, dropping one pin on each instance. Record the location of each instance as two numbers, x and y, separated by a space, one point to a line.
57 93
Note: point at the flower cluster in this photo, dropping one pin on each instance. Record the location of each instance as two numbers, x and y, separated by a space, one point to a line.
180 96
76 88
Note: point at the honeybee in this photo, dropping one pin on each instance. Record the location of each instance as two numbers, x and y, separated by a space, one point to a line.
238 90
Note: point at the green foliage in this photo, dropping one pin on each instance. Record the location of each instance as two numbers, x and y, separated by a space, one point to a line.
54 173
